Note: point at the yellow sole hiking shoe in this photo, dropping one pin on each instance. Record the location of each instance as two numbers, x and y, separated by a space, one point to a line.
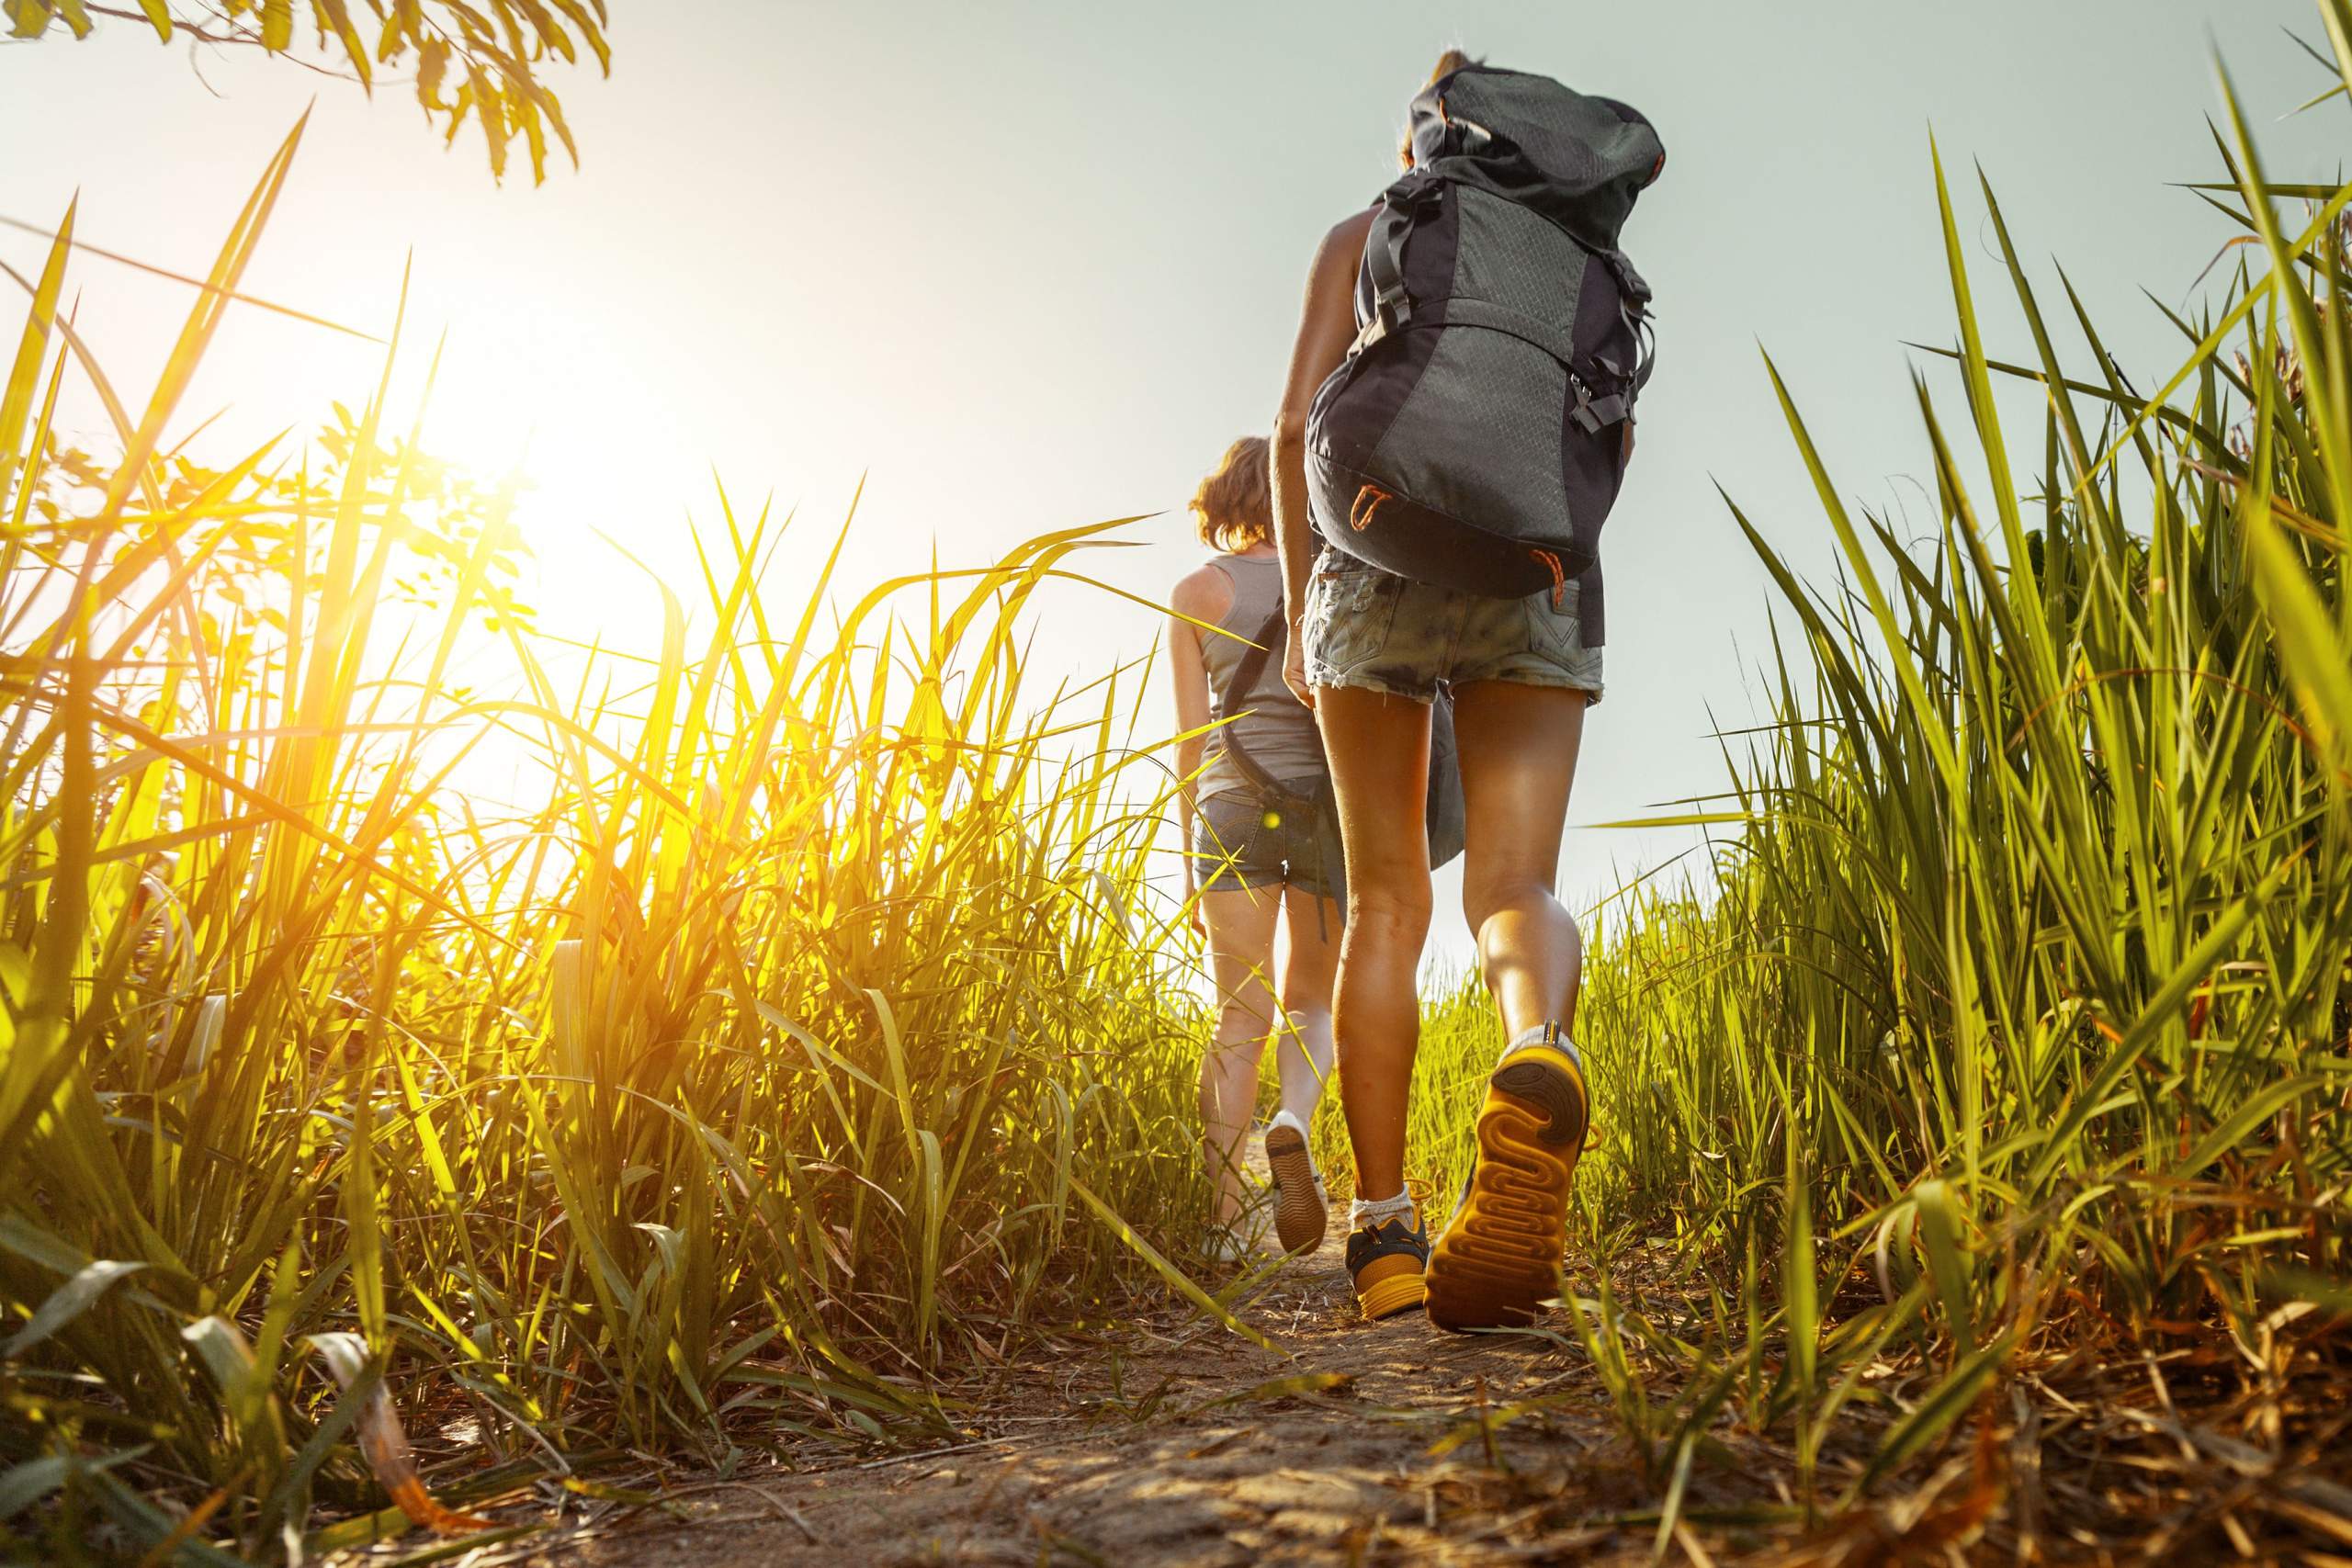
1499 1258
1301 1216
1386 1258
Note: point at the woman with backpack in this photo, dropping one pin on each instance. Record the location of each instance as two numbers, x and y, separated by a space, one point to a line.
1262 855
1455 426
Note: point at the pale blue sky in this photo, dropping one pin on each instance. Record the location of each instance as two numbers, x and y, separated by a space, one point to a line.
1034 264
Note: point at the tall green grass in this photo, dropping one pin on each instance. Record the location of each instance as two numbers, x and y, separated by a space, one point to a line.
2012 1025
808 1039
798 1040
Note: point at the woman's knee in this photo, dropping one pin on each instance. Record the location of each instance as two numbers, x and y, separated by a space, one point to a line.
1309 1001
1308 987
1249 1016
1306 1019
1389 910
1309 977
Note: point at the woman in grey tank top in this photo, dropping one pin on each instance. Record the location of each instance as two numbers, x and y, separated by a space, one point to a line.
1261 853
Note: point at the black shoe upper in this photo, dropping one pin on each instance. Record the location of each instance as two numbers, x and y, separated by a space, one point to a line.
1385 1238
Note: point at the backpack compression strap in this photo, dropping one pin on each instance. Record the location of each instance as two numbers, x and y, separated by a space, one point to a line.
1594 414
1634 299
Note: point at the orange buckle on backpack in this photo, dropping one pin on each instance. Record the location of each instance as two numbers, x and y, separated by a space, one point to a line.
1368 500
1559 578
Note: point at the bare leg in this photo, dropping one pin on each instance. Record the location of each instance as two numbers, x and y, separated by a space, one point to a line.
1498 1260
1379 747
1242 955
1303 1049
1518 750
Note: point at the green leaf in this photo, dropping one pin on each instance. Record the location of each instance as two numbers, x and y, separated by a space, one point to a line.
68 1301
2090 1098
222 1349
361 1202
2210 345
1898 648
32 349
1800 1287
2302 1285
25 1484
2306 633
1168 1271
1946 1403
1947 1258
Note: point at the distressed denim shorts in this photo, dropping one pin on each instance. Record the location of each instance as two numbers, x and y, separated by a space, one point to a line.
1369 628
1240 842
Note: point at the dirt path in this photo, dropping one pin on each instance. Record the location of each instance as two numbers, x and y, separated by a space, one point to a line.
1209 1474
1166 1440
1185 1444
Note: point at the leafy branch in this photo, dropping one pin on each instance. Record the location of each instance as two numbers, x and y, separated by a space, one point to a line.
478 61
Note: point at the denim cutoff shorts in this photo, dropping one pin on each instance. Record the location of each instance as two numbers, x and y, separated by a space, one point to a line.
1240 842
1371 628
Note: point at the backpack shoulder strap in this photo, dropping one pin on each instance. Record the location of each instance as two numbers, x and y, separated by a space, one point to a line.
1274 633
1383 252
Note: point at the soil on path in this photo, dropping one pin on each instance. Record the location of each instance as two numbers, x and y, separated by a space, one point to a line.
1161 1454
1384 1442
1165 1438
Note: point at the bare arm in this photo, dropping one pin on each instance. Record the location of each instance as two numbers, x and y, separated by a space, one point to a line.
1327 325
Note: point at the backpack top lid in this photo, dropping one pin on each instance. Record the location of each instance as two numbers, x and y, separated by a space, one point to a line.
1578 160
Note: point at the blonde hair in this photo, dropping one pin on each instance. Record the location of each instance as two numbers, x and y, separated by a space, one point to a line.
1235 505
1453 59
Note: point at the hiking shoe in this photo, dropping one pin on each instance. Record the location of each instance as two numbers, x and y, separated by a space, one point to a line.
1386 1258
1499 1258
1301 1213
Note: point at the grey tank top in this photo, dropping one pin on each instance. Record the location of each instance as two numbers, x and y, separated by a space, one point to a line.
1275 728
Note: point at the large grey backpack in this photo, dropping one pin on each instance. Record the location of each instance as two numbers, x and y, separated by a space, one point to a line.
1475 435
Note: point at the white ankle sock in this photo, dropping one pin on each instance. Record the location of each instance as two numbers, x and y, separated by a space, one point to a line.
1361 1213
1536 1037
1286 1119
